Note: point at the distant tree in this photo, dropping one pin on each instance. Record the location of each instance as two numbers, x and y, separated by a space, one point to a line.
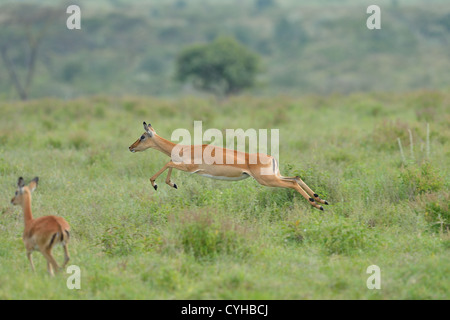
180 4
290 34
445 21
71 70
264 4
223 67
22 28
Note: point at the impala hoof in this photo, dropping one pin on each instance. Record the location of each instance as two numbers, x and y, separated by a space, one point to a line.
175 186
326 202
321 208
155 187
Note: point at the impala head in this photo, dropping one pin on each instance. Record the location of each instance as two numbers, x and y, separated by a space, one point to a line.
23 190
145 141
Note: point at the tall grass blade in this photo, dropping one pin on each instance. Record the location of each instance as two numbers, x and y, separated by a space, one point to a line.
428 141
401 150
411 145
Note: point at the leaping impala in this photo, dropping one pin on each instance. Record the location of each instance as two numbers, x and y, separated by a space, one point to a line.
43 233
265 169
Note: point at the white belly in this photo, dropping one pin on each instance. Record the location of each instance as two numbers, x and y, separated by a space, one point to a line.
241 177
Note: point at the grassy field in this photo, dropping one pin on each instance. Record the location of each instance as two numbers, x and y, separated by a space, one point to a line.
233 240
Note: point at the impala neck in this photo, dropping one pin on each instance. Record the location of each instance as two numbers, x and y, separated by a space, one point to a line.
26 207
163 145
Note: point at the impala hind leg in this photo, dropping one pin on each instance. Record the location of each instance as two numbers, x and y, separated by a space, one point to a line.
312 193
30 258
306 196
49 268
51 262
281 182
304 186
66 255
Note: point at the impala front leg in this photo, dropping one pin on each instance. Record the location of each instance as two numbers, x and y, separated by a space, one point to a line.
173 185
169 165
156 175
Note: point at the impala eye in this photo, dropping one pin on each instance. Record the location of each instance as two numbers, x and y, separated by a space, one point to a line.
16 193
142 137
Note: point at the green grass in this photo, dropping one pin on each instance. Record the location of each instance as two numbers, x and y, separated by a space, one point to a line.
212 239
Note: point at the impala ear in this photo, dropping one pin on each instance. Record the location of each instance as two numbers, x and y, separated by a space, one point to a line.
33 184
147 129
20 182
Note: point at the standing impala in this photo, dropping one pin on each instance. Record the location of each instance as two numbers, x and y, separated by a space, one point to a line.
264 170
43 233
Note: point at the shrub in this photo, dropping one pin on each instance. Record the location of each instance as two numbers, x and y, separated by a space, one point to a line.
334 236
206 237
55 143
293 232
116 240
426 105
420 179
385 134
122 240
267 198
344 238
437 212
79 140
